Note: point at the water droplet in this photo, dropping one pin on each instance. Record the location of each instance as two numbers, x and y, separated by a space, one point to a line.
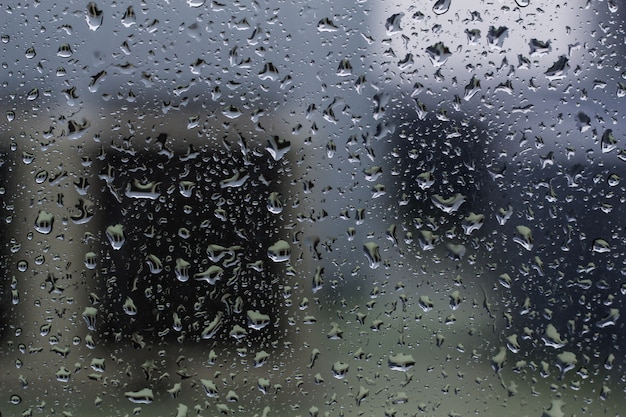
213 274
558 70
232 112
93 16
30 53
438 54
41 176
524 237
441 6
182 270
345 68
91 260
27 157
393 23
269 72
186 188
33 94
274 203
326 25
76 130
425 303
601 246
195 3
129 17
539 48
361 395
496 36
279 251
143 396
340 369
116 237
504 214
257 320
608 141
473 222
498 360
22 265
318 279
401 362
44 222
97 364
277 147
472 87
427 240
566 361
143 189
552 337
65 51
90 315
129 307
555 409
154 264
211 330
450 204
372 253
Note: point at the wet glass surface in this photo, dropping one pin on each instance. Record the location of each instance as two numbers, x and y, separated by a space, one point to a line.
326 209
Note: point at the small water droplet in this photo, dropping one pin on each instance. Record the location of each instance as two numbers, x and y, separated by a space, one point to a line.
30 53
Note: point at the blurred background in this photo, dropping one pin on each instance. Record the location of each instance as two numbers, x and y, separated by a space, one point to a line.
356 208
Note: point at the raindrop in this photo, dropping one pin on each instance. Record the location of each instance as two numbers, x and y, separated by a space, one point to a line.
340 369
401 362
277 147
372 253
22 265
213 274
326 25
143 396
44 222
30 53
90 315
129 17
441 6
524 237
393 23
93 16
116 237
496 36
65 51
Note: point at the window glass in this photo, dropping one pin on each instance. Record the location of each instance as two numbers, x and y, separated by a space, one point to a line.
269 208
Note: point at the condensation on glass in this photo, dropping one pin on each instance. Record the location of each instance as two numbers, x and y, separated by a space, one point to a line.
312 209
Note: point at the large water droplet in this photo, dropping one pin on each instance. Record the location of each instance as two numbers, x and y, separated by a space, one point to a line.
44 222
279 251
441 6
116 237
93 16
